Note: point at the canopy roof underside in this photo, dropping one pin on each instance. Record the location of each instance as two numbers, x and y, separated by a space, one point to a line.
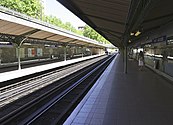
116 19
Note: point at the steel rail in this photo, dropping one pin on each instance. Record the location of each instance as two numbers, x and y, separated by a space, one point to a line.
36 100
74 86
21 89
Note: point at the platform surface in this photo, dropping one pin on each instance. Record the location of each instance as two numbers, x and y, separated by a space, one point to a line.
135 98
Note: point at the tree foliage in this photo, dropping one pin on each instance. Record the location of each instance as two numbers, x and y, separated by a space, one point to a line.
53 20
57 22
92 34
32 8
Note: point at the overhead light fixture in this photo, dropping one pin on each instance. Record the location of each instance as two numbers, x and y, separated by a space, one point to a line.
137 33
27 44
131 34
130 41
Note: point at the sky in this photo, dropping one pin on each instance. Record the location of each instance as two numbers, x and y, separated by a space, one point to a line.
53 7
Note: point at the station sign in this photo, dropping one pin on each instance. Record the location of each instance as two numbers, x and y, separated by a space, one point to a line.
169 40
6 44
159 39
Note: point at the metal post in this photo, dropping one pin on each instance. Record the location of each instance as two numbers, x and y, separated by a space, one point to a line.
82 52
19 62
125 60
65 53
18 48
0 56
123 53
91 51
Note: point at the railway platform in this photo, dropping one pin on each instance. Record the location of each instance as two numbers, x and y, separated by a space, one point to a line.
135 98
10 75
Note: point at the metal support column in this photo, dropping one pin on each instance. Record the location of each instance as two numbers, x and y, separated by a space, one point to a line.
122 51
19 62
65 53
125 60
91 51
18 48
125 53
82 52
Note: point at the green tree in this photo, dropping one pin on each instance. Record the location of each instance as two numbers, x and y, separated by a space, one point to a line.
68 26
53 20
32 8
57 22
92 34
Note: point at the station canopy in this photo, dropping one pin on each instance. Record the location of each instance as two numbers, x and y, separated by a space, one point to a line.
122 22
19 26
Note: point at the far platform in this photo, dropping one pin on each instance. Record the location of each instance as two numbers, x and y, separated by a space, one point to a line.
135 98
28 71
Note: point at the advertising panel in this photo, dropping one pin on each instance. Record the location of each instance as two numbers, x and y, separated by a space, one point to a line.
31 52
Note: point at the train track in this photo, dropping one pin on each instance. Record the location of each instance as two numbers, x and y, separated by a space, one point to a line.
15 91
53 104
